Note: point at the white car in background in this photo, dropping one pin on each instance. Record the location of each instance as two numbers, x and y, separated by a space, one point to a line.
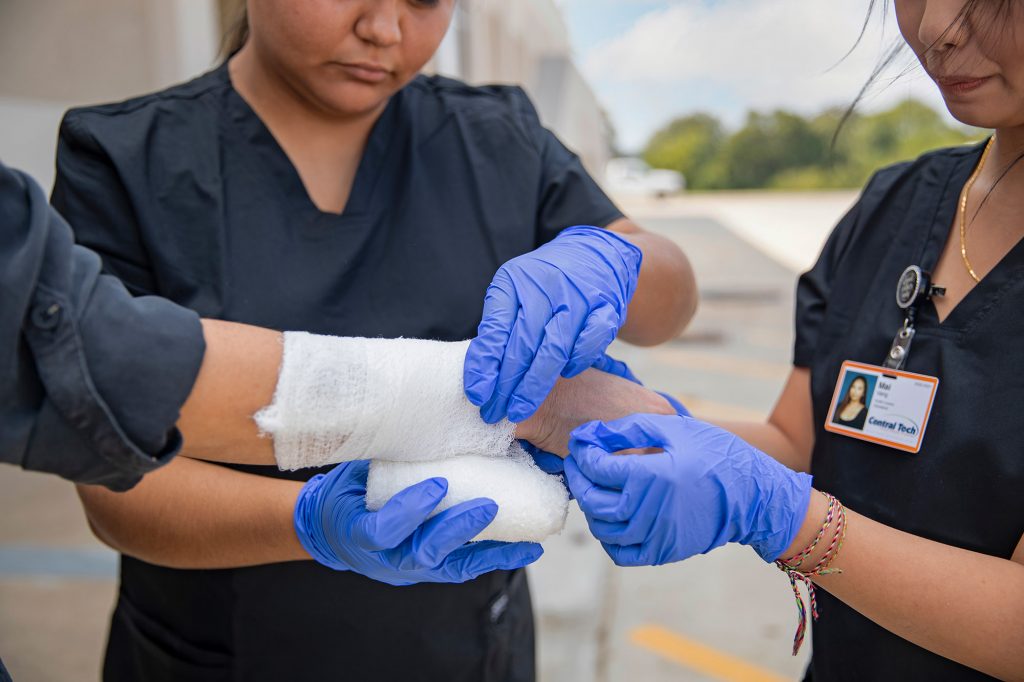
632 176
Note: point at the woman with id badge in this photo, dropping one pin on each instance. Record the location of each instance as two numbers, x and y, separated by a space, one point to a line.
917 301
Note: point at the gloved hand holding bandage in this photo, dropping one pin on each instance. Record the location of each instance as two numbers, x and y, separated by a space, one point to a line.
400 403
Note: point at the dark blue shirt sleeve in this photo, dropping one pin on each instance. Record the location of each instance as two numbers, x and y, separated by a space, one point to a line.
75 347
568 195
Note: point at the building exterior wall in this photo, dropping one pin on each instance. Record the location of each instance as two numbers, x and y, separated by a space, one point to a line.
526 42
61 53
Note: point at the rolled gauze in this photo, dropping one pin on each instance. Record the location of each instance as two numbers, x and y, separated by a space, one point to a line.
340 399
532 505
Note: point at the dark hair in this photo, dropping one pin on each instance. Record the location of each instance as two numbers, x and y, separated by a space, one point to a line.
236 17
846 400
960 23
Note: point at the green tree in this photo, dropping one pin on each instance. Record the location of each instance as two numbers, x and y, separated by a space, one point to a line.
687 145
785 150
767 145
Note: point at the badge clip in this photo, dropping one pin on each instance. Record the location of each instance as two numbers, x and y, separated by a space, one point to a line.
913 289
900 347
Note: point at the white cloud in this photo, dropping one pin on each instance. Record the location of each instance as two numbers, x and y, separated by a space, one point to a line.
734 55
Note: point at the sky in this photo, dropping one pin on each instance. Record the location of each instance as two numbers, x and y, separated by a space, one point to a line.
652 60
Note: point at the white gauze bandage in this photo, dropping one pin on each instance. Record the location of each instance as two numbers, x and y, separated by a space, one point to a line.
400 403
532 505
340 399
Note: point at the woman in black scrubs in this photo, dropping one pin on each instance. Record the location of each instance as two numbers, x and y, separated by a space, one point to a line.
931 549
315 183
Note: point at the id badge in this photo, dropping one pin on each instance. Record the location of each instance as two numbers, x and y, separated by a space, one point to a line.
880 405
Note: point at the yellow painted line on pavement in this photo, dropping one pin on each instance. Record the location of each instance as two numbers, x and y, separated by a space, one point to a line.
699 657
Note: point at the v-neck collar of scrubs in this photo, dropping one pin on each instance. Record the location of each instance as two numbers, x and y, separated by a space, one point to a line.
984 295
255 133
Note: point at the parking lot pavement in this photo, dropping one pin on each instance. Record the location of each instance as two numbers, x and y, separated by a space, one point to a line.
725 616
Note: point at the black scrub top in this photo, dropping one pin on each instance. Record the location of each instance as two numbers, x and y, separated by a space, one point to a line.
91 379
966 486
185 193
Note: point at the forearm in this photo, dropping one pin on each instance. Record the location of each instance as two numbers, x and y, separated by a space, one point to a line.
192 514
788 434
666 293
237 378
592 395
772 440
959 604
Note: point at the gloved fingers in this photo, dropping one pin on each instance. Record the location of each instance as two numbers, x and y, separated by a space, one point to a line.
599 502
399 517
598 332
618 534
484 357
628 555
589 465
449 530
547 462
478 558
540 377
627 433
633 531
354 473
610 365
676 404
523 342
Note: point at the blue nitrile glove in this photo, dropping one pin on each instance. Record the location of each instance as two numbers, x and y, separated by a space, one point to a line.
549 312
707 488
398 545
676 405
607 363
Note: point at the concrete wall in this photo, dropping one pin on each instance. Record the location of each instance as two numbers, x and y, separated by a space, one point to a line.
61 53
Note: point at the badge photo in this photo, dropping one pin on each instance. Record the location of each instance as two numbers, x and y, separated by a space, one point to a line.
881 405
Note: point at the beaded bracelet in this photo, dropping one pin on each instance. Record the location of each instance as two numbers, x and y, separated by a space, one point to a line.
791 566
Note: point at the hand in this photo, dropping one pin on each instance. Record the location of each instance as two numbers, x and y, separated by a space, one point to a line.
591 395
548 313
551 463
620 369
398 545
708 487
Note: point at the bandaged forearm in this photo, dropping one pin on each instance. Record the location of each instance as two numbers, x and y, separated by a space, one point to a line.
340 399
400 403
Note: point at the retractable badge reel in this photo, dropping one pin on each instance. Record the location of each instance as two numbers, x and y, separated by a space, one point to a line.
912 290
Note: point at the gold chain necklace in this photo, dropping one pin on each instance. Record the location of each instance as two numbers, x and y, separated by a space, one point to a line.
963 208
